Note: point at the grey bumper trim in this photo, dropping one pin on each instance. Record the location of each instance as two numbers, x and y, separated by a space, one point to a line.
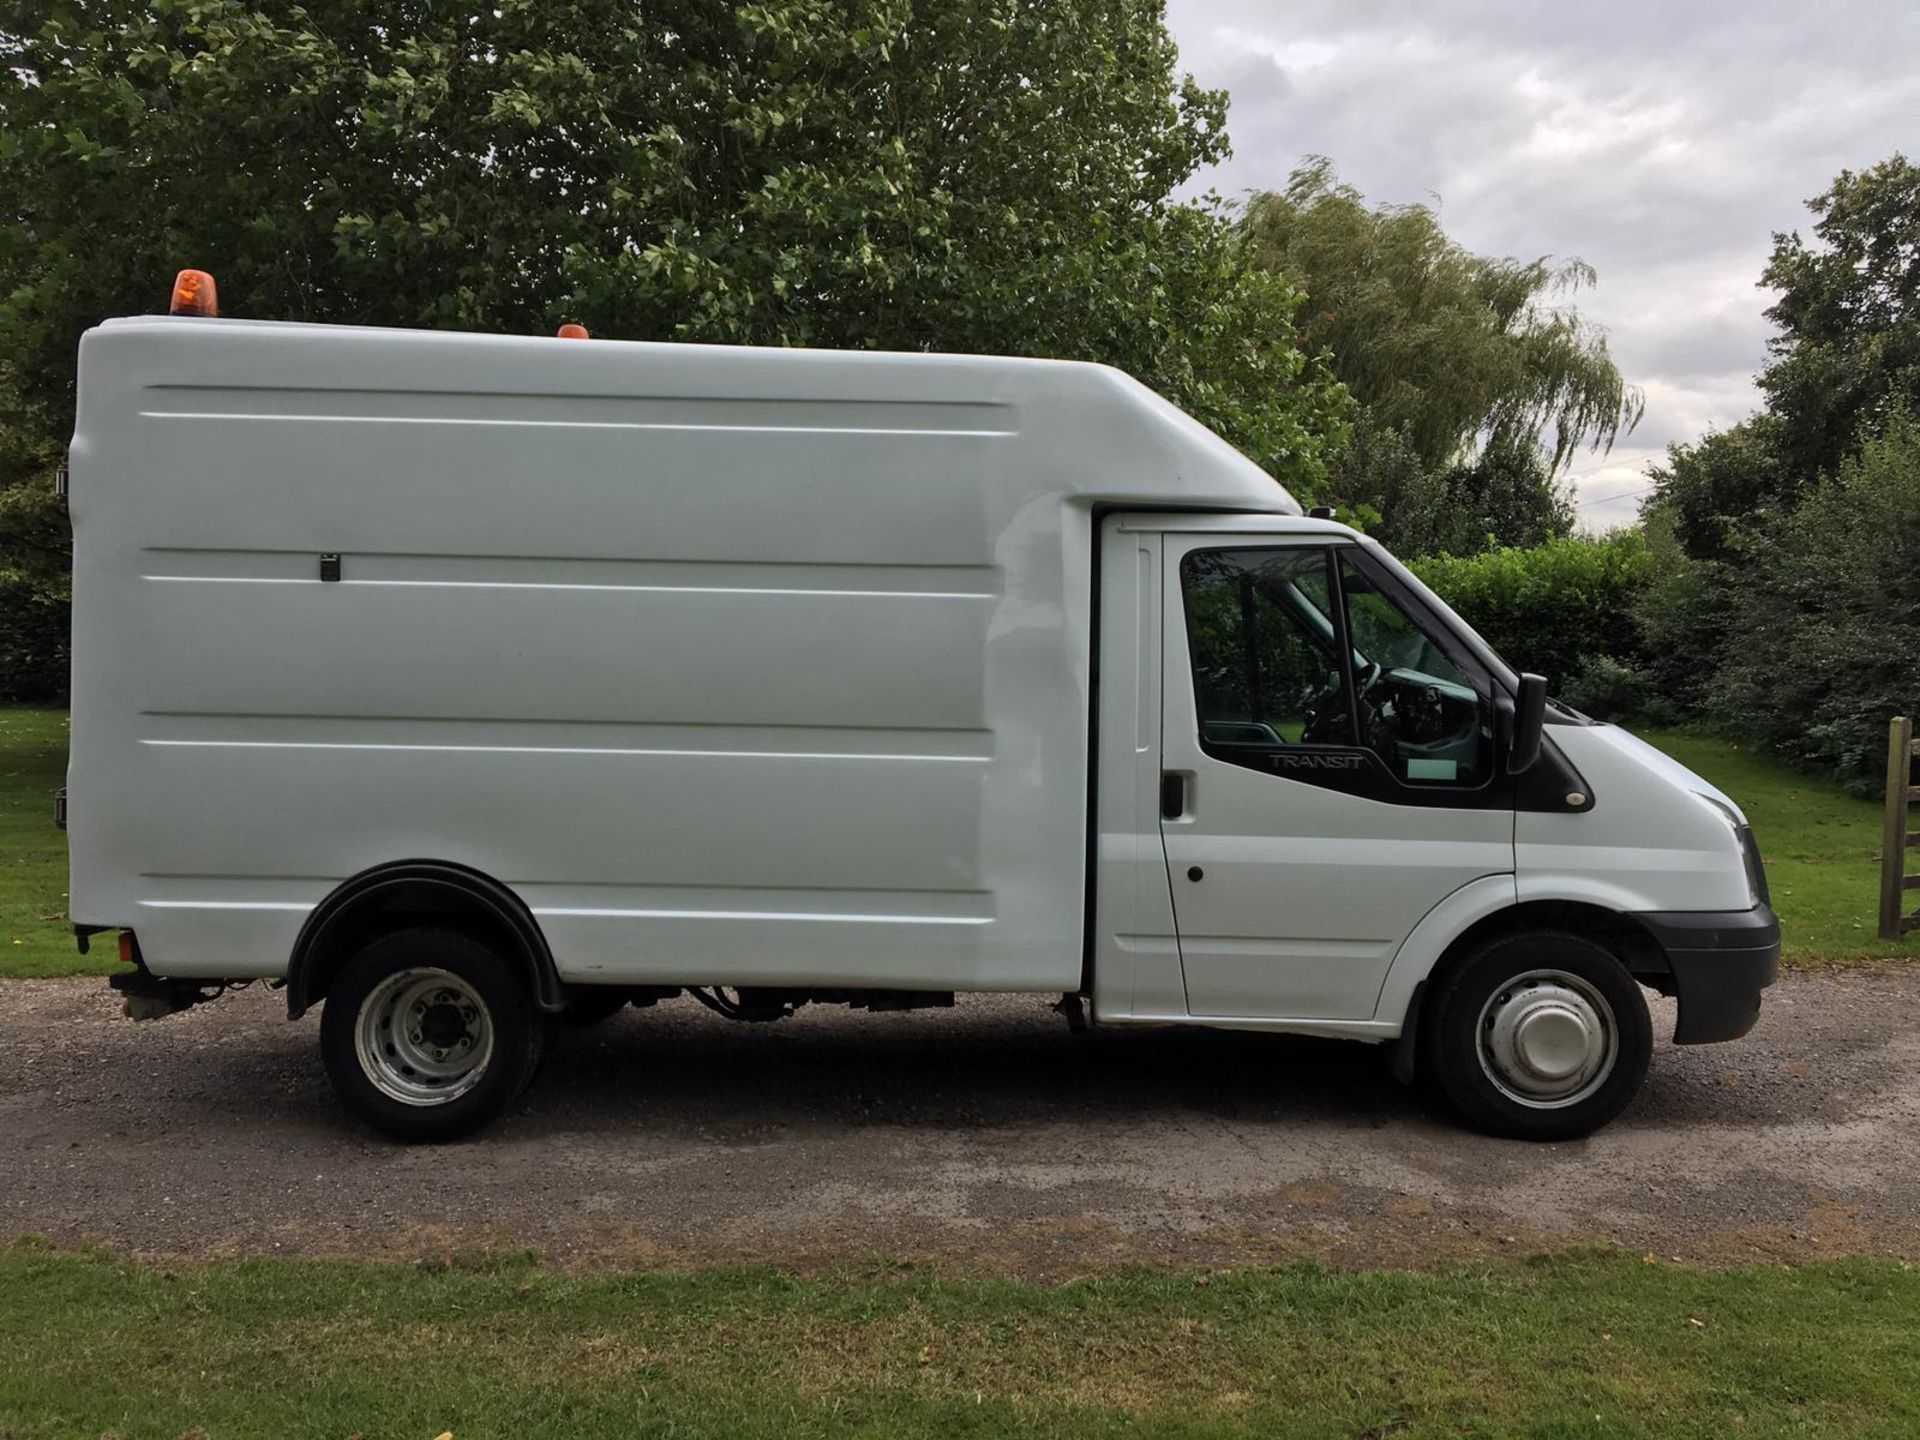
1721 960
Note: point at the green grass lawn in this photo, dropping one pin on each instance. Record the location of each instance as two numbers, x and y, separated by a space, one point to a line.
34 935
1821 847
1587 1345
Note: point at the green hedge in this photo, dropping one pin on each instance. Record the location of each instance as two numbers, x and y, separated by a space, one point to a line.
34 625
1564 610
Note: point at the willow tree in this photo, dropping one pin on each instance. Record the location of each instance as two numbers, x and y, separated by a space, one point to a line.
1450 350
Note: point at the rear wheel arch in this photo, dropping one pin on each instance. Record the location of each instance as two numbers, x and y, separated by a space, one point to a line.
409 894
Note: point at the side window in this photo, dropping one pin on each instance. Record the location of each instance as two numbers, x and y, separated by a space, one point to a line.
1266 628
1262 636
1429 719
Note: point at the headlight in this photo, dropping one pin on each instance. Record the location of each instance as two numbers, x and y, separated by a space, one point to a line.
1757 893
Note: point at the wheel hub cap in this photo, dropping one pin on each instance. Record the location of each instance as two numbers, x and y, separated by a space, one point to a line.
1547 1039
1552 1041
444 1025
423 1037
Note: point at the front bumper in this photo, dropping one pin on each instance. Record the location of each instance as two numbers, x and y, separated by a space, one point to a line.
1720 961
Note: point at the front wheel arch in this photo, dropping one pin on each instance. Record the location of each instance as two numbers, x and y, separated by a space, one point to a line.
1614 931
1622 936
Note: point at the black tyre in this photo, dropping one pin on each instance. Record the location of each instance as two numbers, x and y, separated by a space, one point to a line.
427 1034
591 1004
1539 1035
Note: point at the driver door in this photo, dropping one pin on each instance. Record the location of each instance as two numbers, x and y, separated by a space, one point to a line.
1327 773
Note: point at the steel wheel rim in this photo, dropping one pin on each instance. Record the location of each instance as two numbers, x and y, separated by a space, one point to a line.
1547 1039
424 1037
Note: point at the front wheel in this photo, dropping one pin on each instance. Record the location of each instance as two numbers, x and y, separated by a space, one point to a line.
427 1034
1539 1035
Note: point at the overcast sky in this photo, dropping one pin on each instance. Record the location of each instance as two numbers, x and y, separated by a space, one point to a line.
1663 143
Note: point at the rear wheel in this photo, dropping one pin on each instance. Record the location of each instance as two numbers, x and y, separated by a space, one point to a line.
427 1034
1539 1035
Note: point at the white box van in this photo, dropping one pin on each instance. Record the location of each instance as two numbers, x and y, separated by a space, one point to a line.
467 682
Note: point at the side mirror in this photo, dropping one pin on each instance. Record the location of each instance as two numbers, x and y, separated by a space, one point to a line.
1529 724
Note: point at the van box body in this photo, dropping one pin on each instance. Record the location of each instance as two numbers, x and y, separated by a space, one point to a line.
737 666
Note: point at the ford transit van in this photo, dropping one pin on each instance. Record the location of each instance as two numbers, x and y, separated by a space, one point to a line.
462 685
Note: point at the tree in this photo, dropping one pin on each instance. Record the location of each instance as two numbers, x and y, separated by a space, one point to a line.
1732 603
1502 497
33 561
1846 356
1505 496
1449 348
1682 610
1822 612
1848 351
1721 480
988 175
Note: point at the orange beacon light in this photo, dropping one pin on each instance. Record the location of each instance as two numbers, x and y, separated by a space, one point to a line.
194 293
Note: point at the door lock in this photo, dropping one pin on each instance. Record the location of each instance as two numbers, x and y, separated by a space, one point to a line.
1194 872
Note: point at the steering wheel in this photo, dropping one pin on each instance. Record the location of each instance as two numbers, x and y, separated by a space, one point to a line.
1325 721
1326 715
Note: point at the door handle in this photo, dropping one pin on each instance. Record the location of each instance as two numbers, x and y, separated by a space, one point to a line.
1173 795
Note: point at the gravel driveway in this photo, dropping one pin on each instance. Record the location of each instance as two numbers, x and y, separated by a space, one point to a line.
986 1137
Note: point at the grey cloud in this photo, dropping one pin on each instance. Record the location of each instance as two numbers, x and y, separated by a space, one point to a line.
1662 142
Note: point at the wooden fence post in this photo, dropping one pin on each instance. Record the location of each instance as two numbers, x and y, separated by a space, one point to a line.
1901 794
